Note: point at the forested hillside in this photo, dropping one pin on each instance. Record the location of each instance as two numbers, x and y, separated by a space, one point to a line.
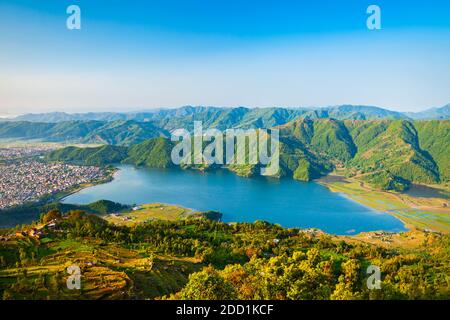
389 154
392 148
154 153
96 156
380 151
122 133
70 130
434 137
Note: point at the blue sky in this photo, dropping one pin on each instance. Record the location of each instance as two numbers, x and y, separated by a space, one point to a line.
134 55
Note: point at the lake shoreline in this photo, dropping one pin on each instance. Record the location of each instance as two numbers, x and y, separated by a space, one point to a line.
287 202
431 214
335 183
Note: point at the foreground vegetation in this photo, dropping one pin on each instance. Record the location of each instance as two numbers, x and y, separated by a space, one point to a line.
192 257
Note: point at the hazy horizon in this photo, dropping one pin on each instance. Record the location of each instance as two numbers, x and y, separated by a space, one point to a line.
143 110
195 52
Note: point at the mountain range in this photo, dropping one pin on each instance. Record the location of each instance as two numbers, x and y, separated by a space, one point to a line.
388 149
126 129
241 116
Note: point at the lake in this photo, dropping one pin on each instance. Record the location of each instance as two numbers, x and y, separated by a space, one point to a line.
284 201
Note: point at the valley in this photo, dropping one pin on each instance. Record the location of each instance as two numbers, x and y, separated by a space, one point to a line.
384 156
349 193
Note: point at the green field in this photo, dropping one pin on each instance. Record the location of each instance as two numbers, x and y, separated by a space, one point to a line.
416 212
149 212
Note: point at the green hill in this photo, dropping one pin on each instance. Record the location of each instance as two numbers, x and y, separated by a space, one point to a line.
296 161
392 147
328 138
98 207
70 130
97 156
390 154
153 153
434 137
120 132
124 133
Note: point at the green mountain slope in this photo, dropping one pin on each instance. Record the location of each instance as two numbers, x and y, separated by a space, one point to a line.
124 133
71 130
89 156
389 154
153 153
393 148
120 132
434 137
328 138
298 162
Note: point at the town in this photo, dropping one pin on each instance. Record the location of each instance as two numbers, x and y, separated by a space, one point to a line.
29 180
11 153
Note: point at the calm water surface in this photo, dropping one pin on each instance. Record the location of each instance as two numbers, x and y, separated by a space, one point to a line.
287 202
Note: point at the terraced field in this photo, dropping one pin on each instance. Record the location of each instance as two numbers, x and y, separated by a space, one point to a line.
109 271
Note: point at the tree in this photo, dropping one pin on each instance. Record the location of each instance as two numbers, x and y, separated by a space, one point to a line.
2 261
51 215
23 256
343 291
207 284
350 269
7 295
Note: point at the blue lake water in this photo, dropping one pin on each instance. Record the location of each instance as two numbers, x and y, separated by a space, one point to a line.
287 202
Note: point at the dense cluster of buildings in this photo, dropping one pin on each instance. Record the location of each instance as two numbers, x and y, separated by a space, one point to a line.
29 180
20 152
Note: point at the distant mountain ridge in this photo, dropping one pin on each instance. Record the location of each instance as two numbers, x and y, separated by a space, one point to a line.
125 129
120 132
441 113
241 116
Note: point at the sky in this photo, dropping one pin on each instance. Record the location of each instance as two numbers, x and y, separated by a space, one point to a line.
138 55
